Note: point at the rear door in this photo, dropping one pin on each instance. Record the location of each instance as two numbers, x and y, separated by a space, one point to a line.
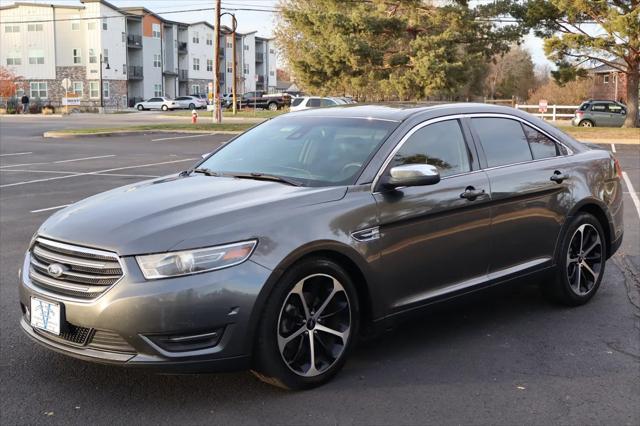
434 239
529 188
601 114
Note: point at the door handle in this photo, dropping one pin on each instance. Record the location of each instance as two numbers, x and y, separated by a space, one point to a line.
558 176
470 193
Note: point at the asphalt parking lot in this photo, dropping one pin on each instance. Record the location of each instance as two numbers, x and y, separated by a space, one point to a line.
502 357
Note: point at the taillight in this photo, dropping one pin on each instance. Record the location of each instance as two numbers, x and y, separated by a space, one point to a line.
579 113
617 167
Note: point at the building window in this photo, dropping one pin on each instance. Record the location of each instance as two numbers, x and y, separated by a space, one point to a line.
75 26
229 67
19 90
12 28
156 61
196 64
272 51
77 88
272 73
245 68
105 89
91 26
209 40
155 30
93 59
77 57
124 68
105 56
246 47
105 27
196 37
605 79
14 59
34 27
94 89
195 89
36 57
209 64
229 45
38 89
157 90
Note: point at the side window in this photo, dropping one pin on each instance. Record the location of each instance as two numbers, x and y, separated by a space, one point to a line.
599 108
541 145
296 101
503 141
326 102
616 109
313 102
440 144
155 100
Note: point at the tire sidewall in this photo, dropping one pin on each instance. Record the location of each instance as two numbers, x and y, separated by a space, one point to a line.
268 360
562 280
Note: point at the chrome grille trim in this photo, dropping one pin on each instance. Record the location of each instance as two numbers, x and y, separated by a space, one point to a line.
86 273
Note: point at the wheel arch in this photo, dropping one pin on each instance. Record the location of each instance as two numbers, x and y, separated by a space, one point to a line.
340 253
597 209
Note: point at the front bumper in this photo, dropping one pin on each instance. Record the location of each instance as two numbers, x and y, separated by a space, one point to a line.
152 323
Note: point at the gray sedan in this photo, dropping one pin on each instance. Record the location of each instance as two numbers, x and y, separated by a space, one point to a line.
280 249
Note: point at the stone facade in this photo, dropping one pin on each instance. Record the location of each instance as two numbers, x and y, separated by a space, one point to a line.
203 83
55 92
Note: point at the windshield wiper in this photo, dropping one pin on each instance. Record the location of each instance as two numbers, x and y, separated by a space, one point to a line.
206 172
264 176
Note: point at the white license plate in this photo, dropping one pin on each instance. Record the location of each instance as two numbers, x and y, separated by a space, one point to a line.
45 315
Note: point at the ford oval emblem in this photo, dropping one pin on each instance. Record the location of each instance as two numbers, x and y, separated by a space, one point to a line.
55 270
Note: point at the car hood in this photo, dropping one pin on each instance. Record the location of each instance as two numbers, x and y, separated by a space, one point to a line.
180 212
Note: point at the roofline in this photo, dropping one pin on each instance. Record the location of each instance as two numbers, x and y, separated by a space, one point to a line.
106 3
48 5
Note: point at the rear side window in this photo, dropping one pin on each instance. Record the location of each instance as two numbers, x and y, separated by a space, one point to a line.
313 102
584 106
599 108
327 102
296 101
440 144
541 145
503 141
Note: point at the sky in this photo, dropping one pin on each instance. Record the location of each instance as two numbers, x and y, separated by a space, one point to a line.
261 21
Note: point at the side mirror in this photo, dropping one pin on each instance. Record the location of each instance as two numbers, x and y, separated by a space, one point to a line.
411 175
205 155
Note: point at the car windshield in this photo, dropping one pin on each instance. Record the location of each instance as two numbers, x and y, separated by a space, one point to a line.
314 151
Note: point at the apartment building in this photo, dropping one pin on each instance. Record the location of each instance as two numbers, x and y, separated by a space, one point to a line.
143 55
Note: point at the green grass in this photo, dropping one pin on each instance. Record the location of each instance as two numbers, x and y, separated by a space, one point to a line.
230 127
602 132
247 113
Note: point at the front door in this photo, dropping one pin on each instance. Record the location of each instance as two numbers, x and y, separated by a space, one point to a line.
434 239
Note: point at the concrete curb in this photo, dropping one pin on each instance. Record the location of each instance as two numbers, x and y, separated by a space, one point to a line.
62 134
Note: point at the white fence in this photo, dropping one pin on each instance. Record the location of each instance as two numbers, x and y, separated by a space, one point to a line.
552 110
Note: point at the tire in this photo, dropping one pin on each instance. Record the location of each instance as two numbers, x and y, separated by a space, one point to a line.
573 283
285 335
272 106
192 106
586 123
164 108
140 108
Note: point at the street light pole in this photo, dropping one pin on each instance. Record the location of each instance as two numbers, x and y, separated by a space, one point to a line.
217 113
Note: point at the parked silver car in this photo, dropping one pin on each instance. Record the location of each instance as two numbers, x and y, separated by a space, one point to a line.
278 249
601 113
191 102
160 102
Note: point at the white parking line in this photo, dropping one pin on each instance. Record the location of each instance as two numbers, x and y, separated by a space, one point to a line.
50 208
613 148
632 192
53 172
15 153
180 137
57 162
97 172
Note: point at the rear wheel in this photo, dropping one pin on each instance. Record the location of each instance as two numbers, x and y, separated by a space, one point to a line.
586 123
164 108
580 262
273 106
192 106
309 326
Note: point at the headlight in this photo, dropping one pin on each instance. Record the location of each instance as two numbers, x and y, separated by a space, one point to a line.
188 262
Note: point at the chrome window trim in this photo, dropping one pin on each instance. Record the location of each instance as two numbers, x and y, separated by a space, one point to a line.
61 297
469 116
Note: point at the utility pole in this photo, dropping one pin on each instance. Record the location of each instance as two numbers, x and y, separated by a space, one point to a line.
217 111
235 65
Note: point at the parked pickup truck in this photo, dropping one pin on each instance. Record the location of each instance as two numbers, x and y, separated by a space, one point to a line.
260 99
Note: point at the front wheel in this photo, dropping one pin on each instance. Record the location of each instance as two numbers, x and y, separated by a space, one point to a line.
140 108
309 326
580 262
192 106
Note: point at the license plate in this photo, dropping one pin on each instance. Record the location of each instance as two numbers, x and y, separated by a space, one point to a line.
45 315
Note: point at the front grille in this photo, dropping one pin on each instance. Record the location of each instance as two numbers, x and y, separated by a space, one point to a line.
72 334
109 341
81 272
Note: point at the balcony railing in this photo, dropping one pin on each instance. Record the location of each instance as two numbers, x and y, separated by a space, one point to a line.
135 72
183 74
134 41
182 47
